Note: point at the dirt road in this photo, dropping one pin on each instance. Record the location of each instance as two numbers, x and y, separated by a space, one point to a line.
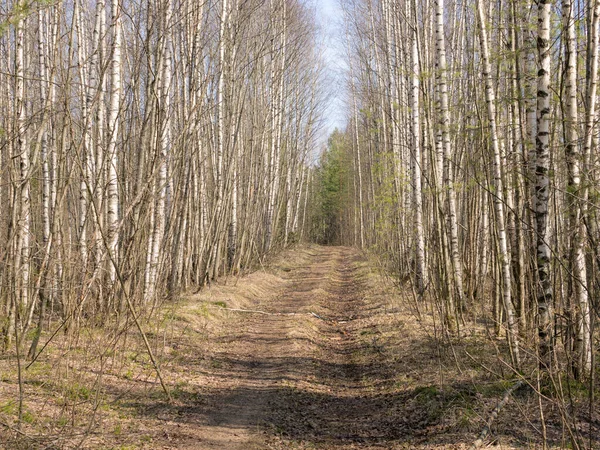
297 370
302 368
320 352
316 351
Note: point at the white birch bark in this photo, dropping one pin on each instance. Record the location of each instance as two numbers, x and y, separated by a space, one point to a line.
162 146
530 88
43 41
520 143
44 279
295 221
498 192
448 183
84 183
278 63
22 257
358 149
98 82
421 271
592 81
112 190
542 187
221 150
582 313
233 238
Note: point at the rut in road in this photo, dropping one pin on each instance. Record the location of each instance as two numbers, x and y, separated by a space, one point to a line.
297 375
335 360
306 373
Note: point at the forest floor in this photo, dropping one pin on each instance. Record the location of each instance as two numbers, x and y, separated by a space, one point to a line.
316 351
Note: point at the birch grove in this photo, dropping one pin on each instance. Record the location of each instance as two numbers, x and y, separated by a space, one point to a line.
485 113
151 148
148 147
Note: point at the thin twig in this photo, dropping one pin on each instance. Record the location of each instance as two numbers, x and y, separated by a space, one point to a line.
16 430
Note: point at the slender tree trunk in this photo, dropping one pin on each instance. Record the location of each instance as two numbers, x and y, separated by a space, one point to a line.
421 273
98 81
578 277
84 184
358 150
542 188
448 183
498 195
163 142
22 260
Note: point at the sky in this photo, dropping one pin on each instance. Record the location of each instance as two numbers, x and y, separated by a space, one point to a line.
328 7
329 14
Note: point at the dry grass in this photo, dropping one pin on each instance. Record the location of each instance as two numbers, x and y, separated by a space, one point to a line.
369 373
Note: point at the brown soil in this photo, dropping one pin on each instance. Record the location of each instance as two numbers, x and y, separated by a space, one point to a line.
316 352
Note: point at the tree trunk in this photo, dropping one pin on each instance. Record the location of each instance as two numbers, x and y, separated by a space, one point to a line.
421 273
578 277
542 186
498 194
448 182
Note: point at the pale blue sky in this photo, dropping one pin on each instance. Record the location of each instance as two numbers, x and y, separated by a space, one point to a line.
329 15
328 7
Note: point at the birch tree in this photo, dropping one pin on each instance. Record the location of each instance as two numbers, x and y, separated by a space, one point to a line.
445 143
112 222
498 192
542 187
22 299
421 271
573 155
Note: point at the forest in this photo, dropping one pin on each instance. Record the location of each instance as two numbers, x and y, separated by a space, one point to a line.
169 188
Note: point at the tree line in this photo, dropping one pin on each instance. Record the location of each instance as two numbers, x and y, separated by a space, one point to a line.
469 162
147 146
